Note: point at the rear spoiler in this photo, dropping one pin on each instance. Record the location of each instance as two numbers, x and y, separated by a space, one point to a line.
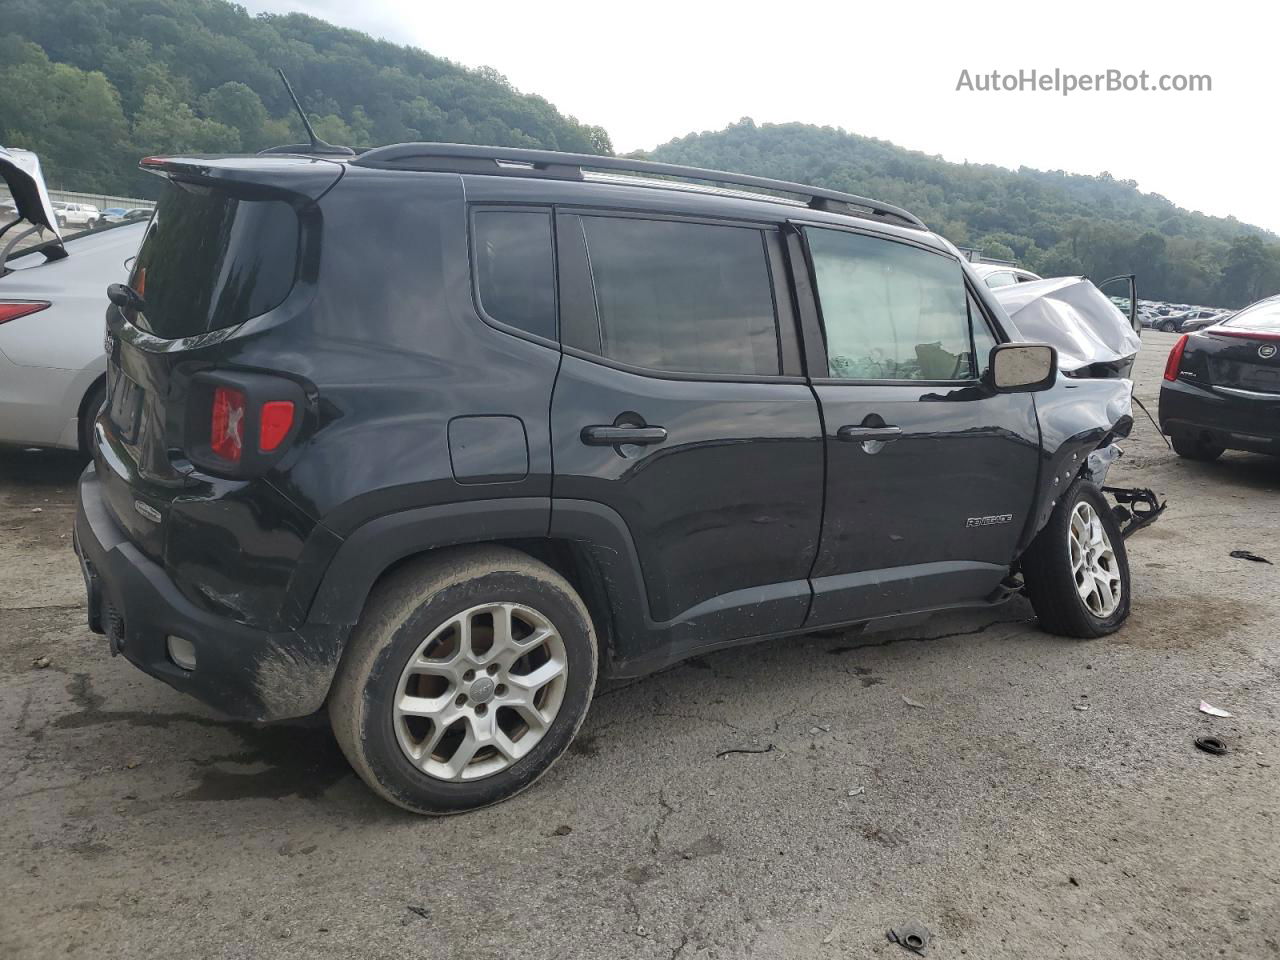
307 177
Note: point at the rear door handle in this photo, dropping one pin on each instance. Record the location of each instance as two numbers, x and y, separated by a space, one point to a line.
609 436
860 433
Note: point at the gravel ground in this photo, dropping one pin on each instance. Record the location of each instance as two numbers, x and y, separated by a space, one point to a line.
1008 821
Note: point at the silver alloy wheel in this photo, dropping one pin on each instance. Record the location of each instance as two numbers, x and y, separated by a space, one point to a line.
480 692
1093 562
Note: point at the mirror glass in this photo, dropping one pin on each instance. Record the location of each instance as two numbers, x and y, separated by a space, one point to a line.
1021 365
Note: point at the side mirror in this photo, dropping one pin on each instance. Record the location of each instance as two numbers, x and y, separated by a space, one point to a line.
1023 367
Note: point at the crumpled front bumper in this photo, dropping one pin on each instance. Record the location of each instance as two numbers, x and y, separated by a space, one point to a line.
1135 507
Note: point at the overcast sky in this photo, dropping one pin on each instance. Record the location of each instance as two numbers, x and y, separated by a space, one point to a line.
654 71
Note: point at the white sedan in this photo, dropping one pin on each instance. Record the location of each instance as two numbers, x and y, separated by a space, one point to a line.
53 304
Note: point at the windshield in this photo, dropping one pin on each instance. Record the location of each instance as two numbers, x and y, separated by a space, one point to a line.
211 260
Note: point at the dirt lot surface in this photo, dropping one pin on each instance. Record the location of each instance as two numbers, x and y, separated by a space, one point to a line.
998 813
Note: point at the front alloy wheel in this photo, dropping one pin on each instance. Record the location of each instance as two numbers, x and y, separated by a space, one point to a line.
1076 569
1093 562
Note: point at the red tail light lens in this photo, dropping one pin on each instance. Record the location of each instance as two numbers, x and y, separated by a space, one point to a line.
12 309
1175 359
226 432
274 423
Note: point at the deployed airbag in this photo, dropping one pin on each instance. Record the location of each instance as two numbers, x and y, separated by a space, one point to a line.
1076 317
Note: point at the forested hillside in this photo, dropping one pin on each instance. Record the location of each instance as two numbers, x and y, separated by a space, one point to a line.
1055 223
92 85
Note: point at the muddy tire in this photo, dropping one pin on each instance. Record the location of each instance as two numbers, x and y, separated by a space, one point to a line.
1076 570
466 678
1192 447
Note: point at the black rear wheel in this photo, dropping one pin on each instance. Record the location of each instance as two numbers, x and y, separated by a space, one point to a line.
1193 446
466 678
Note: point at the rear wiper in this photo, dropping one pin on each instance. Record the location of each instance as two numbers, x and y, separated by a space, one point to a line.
123 295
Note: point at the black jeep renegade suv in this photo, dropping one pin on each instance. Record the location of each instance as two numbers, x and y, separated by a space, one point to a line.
435 435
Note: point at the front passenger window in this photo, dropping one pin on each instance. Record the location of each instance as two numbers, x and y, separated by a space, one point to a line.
892 311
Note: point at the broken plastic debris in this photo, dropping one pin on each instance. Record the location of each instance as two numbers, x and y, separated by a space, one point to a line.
725 753
41 662
912 703
1246 555
1080 706
912 935
1213 711
1211 745
857 791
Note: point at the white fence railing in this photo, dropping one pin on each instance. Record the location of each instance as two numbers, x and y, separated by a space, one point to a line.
100 200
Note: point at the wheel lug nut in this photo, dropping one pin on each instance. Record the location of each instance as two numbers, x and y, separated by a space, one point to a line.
481 709
462 699
492 668
469 676
501 690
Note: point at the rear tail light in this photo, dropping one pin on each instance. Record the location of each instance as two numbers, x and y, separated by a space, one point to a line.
274 423
239 424
226 431
12 309
1175 359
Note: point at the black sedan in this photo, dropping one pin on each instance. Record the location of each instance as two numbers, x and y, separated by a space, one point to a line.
1221 387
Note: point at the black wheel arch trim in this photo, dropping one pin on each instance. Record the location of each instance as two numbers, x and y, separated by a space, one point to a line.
595 529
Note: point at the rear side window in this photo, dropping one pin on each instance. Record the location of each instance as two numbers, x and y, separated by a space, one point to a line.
891 311
210 260
682 297
515 269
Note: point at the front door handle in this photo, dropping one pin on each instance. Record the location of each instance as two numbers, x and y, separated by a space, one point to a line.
611 436
860 433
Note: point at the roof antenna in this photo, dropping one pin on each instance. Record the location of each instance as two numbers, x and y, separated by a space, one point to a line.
317 146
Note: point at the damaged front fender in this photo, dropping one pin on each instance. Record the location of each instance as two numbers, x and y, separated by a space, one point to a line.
1080 420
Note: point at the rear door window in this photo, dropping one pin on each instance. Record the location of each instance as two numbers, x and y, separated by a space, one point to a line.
892 311
211 260
682 297
515 269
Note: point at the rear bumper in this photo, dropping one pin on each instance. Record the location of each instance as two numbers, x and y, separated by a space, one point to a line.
1248 421
244 672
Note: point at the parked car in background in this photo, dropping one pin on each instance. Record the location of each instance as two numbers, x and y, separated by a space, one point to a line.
123 215
1206 318
288 510
52 300
996 275
1221 387
77 214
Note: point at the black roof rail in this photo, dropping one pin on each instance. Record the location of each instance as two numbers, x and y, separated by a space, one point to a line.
519 162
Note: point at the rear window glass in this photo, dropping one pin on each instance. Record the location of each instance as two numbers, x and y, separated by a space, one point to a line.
515 269
1263 316
210 260
683 297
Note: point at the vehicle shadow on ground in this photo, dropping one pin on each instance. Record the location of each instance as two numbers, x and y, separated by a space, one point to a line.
33 469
